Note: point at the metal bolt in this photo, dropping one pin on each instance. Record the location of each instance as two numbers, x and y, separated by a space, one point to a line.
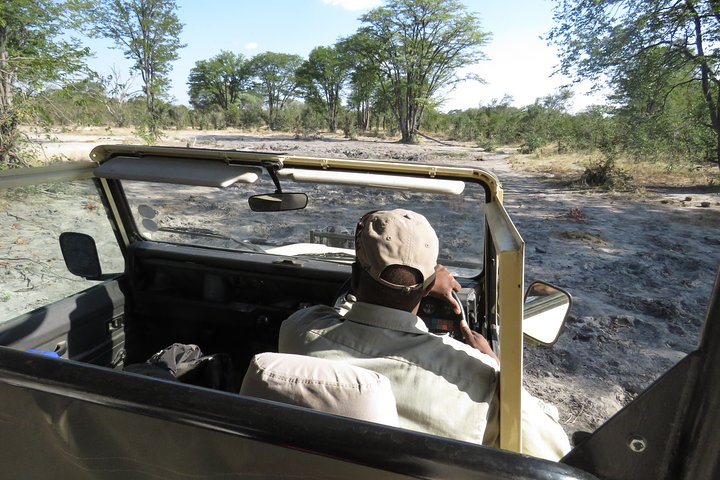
637 443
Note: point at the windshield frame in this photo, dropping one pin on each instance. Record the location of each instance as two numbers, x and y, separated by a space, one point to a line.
333 251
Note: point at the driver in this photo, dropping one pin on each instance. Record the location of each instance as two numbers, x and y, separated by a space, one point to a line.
442 386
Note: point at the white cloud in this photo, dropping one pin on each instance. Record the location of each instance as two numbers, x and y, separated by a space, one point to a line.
251 46
353 4
519 66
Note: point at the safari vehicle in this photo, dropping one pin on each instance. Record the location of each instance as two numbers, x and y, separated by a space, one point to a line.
216 248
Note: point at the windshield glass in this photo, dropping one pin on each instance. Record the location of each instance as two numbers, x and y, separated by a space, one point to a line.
221 218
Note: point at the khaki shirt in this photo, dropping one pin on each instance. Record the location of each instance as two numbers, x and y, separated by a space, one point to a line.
442 386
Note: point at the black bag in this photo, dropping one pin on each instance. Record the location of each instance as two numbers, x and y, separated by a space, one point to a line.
187 364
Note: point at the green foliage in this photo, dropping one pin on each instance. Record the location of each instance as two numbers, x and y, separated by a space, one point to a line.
219 81
276 82
322 77
148 32
76 103
364 81
178 116
250 111
647 51
307 122
417 48
349 125
531 144
14 149
671 126
32 54
664 103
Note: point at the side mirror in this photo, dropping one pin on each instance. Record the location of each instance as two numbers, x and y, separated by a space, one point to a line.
80 255
277 202
545 311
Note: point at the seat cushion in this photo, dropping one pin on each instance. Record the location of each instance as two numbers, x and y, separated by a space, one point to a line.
323 385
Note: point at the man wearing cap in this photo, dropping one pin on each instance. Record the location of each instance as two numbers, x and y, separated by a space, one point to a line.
442 386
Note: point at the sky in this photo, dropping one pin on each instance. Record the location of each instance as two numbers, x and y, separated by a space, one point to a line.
519 64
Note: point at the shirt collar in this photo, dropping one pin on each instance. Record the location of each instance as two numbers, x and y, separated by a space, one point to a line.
385 317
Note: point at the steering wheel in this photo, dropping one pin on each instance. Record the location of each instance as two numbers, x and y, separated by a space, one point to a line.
463 313
344 296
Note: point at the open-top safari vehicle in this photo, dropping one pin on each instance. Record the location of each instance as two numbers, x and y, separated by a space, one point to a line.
216 248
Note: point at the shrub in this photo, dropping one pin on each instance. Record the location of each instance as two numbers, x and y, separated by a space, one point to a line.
606 174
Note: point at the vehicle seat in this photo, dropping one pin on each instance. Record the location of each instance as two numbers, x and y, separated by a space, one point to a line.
323 385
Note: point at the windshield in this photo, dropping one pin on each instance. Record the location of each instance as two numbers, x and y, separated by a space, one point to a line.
221 218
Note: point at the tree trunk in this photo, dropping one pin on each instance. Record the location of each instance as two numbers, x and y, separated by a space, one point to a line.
5 81
706 78
9 120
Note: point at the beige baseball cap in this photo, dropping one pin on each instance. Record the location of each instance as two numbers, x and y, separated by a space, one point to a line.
396 237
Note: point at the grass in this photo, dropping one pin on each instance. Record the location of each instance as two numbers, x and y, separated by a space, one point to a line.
582 237
644 174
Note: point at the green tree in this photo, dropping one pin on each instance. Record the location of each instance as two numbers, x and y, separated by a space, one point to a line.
322 76
364 80
219 81
148 32
276 81
79 102
117 94
32 54
647 49
418 46
546 121
670 127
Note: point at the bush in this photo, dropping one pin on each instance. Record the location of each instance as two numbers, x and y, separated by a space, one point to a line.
606 174
532 143
487 144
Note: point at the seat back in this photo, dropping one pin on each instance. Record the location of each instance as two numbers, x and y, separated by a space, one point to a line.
323 385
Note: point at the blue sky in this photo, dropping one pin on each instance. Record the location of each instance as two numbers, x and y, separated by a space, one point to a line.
519 62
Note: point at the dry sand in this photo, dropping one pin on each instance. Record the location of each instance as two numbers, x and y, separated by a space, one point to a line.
640 268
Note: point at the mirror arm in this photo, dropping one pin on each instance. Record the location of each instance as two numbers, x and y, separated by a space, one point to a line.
272 166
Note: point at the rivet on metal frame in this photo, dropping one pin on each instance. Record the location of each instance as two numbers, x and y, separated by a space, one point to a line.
637 443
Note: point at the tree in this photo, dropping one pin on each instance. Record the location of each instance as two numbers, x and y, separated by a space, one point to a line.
32 54
118 93
418 46
219 81
80 102
648 49
364 80
148 31
275 80
323 76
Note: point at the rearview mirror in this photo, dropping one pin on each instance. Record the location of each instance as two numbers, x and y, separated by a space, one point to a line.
277 202
545 311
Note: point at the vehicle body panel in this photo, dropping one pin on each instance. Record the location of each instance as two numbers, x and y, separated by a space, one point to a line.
87 422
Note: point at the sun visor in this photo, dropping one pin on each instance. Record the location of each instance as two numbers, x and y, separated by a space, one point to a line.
182 171
398 182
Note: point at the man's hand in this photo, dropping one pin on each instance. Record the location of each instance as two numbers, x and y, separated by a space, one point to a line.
475 340
444 285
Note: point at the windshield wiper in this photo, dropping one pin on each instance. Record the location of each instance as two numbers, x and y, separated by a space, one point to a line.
204 232
342 256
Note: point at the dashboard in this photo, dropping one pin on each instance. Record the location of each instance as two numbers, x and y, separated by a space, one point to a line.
440 318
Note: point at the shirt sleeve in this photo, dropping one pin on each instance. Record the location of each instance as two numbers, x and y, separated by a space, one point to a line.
542 434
